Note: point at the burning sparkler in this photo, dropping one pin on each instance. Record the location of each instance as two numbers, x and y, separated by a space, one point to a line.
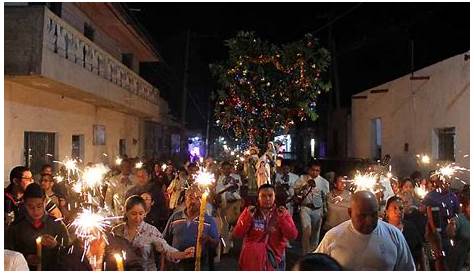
421 192
163 167
118 161
139 165
424 159
94 176
90 226
70 165
367 181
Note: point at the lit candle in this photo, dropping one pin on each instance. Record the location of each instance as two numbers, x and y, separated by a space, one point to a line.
119 261
38 252
197 266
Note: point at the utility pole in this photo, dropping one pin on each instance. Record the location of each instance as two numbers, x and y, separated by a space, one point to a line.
185 78
208 125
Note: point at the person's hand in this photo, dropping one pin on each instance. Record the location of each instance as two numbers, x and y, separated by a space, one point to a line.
281 211
451 228
433 237
48 241
189 252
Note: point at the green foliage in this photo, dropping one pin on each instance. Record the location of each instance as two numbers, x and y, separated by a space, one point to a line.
264 88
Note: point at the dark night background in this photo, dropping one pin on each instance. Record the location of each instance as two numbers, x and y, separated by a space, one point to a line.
372 40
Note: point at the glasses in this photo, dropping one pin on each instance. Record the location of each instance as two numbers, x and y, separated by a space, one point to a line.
27 178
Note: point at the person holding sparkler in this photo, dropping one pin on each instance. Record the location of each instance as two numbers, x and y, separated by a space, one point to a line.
441 206
182 230
266 230
366 243
145 237
36 231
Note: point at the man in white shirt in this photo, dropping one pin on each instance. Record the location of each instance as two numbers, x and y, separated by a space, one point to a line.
311 190
286 180
228 192
14 261
366 243
118 187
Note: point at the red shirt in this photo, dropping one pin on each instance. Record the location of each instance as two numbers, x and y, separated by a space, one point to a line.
280 229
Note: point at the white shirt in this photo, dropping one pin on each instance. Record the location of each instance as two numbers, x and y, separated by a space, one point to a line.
315 196
14 261
385 249
116 192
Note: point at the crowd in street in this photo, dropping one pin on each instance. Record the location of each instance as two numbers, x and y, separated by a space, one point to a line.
259 201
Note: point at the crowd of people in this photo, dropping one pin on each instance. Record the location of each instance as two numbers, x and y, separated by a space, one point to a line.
259 201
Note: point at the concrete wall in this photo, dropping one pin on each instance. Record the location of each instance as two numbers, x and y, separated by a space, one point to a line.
29 109
410 112
23 36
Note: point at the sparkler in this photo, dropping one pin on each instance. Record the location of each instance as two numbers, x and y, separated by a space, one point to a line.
450 170
424 159
163 167
93 176
139 165
118 161
367 181
421 192
90 226
70 165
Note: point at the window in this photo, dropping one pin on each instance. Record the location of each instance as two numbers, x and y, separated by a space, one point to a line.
77 147
89 31
99 135
123 147
40 149
376 138
444 143
127 60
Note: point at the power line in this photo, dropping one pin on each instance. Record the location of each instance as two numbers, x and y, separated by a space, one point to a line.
337 18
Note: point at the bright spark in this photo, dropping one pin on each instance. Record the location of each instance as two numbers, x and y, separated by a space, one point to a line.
204 178
139 165
93 176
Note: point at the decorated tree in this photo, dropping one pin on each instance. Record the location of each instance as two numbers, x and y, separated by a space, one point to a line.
264 89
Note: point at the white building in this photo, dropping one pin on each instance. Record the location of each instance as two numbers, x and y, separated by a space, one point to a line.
427 112
73 86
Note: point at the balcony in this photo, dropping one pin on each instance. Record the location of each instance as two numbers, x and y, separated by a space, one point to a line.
43 51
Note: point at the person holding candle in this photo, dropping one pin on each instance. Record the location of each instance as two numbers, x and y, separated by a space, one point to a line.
182 230
22 235
145 237
266 230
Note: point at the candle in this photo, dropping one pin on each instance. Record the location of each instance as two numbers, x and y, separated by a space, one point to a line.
119 261
38 252
197 266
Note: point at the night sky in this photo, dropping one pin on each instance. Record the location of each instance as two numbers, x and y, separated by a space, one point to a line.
373 40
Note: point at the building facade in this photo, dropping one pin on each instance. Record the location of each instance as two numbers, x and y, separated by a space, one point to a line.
73 87
426 112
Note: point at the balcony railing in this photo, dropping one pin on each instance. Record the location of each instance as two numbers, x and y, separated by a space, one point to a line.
72 45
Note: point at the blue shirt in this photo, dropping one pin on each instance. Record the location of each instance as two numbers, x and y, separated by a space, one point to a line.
182 233
448 205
